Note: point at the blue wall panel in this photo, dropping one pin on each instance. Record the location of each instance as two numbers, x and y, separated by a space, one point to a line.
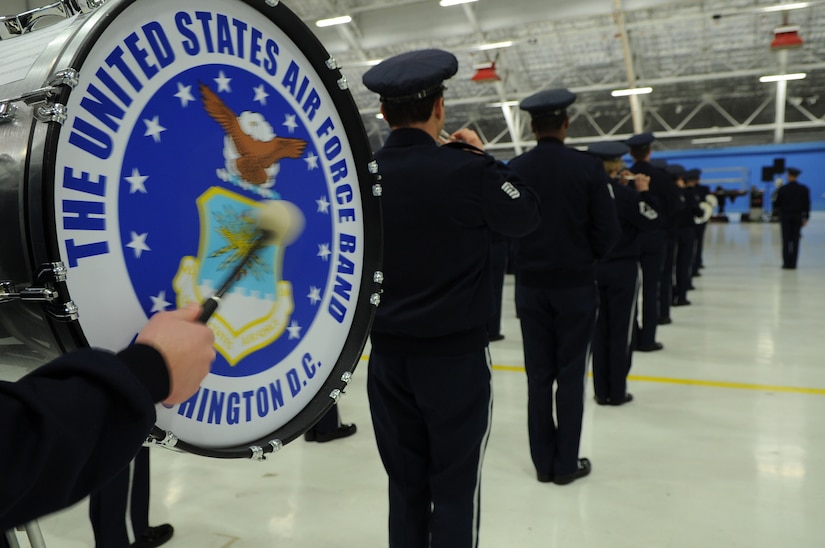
744 166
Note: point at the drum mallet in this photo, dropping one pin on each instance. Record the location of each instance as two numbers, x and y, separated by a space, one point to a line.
278 222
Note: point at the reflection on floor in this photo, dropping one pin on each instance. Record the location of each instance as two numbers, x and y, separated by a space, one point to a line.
722 446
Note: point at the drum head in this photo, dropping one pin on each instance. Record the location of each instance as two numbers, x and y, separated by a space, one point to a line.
187 118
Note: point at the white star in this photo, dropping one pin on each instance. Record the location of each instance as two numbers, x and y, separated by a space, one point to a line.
323 205
223 82
312 161
159 303
153 128
260 94
314 295
136 180
184 94
290 123
294 330
323 251
138 243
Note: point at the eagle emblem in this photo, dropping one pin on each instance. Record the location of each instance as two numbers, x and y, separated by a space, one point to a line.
252 150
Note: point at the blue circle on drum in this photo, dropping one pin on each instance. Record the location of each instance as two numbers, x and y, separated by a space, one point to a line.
177 187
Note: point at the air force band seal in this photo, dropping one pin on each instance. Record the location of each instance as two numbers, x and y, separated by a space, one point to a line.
186 118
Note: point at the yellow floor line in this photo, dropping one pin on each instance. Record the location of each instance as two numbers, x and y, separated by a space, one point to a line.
693 382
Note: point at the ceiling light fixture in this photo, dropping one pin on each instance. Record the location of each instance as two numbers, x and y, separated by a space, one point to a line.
783 77
504 104
494 45
446 3
333 21
630 91
711 140
786 7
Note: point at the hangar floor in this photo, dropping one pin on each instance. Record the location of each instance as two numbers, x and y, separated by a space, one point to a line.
722 446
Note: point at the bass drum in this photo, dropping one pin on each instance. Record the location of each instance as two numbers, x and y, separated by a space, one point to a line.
138 139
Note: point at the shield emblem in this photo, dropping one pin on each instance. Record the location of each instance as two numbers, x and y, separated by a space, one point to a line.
256 310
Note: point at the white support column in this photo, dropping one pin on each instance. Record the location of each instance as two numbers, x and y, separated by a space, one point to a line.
781 99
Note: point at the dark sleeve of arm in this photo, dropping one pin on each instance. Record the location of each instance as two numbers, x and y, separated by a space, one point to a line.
605 229
807 212
509 206
71 424
646 215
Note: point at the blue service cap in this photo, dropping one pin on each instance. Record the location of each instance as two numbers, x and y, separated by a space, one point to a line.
794 171
640 140
608 150
676 170
550 102
411 75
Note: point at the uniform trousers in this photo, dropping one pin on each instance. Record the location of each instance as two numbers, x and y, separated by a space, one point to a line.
685 252
618 283
431 416
666 288
557 329
698 259
652 261
119 511
791 232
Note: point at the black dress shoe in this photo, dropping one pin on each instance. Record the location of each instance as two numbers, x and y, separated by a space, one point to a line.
154 536
602 401
691 287
582 471
681 302
343 431
664 321
650 348
544 478
494 338
628 397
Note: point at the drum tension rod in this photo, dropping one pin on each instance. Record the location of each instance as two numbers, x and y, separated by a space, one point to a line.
45 109
43 291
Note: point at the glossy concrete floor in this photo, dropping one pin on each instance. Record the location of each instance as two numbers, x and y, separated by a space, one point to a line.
724 445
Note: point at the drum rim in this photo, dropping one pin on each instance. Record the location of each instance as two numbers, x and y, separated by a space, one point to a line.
351 352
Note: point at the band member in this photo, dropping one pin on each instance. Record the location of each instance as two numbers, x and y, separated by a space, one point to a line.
793 202
429 381
658 246
618 277
77 421
556 294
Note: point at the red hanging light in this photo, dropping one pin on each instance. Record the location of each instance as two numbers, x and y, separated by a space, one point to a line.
786 37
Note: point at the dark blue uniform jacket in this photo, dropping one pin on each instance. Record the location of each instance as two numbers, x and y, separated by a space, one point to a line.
579 222
666 192
440 204
637 213
69 426
793 200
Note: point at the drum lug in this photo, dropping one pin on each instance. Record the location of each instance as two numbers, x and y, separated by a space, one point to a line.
378 277
43 291
8 112
272 3
343 85
375 299
377 190
55 113
42 100
257 452
332 63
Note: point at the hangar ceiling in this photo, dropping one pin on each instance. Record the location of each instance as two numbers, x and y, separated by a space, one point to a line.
702 59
